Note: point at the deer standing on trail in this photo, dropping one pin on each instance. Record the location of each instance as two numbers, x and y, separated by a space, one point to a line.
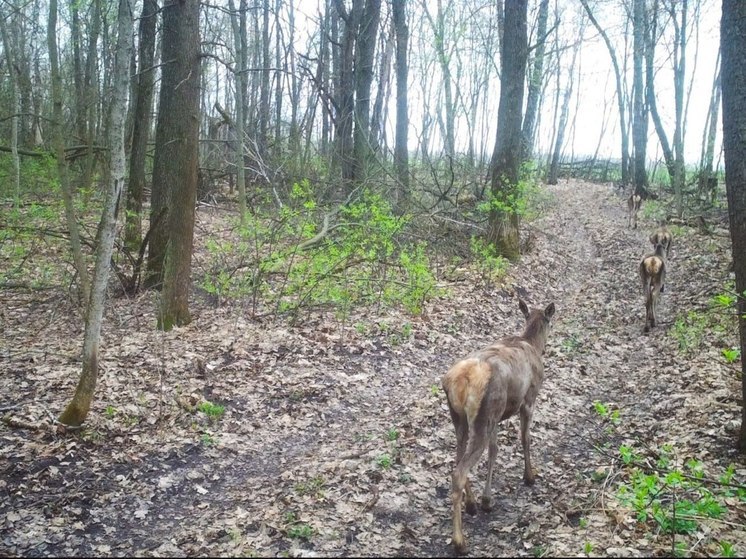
653 276
633 206
484 389
663 237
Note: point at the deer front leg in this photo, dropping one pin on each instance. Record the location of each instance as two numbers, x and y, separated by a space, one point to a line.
527 412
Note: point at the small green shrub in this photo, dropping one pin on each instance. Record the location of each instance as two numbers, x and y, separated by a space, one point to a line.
213 411
490 265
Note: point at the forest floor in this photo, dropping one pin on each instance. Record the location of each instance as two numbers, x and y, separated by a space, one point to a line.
336 439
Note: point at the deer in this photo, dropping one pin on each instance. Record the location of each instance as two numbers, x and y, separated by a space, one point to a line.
662 236
633 206
653 276
486 388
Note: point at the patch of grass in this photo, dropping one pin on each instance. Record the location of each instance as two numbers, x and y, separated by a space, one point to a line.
301 531
588 548
110 412
392 434
384 461
313 486
727 549
207 440
213 411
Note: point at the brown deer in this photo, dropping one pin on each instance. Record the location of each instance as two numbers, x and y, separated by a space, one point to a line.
653 276
663 237
633 206
484 389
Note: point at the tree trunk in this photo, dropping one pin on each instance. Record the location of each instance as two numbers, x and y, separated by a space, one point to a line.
176 153
401 150
15 95
562 126
534 84
506 159
732 47
59 148
91 96
706 175
77 410
639 122
265 84
679 177
141 125
239 41
364 55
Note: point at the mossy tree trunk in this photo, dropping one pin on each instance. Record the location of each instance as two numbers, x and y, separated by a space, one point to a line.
505 166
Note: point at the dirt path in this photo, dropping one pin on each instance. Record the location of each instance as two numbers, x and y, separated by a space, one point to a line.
336 438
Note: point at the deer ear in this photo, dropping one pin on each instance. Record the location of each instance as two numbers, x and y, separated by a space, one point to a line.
524 308
549 311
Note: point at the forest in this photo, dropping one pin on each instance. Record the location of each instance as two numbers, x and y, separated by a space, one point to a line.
284 278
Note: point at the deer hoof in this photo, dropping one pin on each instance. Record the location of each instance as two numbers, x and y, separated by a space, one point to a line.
459 545
486 504
471 508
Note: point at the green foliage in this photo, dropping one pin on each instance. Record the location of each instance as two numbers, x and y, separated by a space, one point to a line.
653 210
731 354
207 440
588 548
491 266
38 176
715 325
110 412
392 434
525 199
727 549
313 487
213 411
284 261
605 411
301 531
384 461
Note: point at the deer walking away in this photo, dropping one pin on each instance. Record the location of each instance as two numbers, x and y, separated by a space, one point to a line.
633 207
486 388
663 237
653 277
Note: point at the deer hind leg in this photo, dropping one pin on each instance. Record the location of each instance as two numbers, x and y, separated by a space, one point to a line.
460 481
487 493
527 412
462 438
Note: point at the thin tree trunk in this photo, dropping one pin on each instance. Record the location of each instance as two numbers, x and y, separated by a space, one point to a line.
141 125
59 148
401 150
534 84
77 410
619 92
240 76
15 95
706 175
562 126
639 122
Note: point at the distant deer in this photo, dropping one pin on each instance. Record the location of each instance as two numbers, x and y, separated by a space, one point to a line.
663 237
483 390
633 206
653 276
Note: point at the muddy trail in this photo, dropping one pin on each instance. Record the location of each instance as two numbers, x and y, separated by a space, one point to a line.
336 440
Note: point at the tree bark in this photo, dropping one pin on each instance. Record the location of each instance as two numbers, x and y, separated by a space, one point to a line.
239 41
176 153
364 55
401 149
77 410
15 95
732 47
639 122
141 125
59 148
504 216
534 84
